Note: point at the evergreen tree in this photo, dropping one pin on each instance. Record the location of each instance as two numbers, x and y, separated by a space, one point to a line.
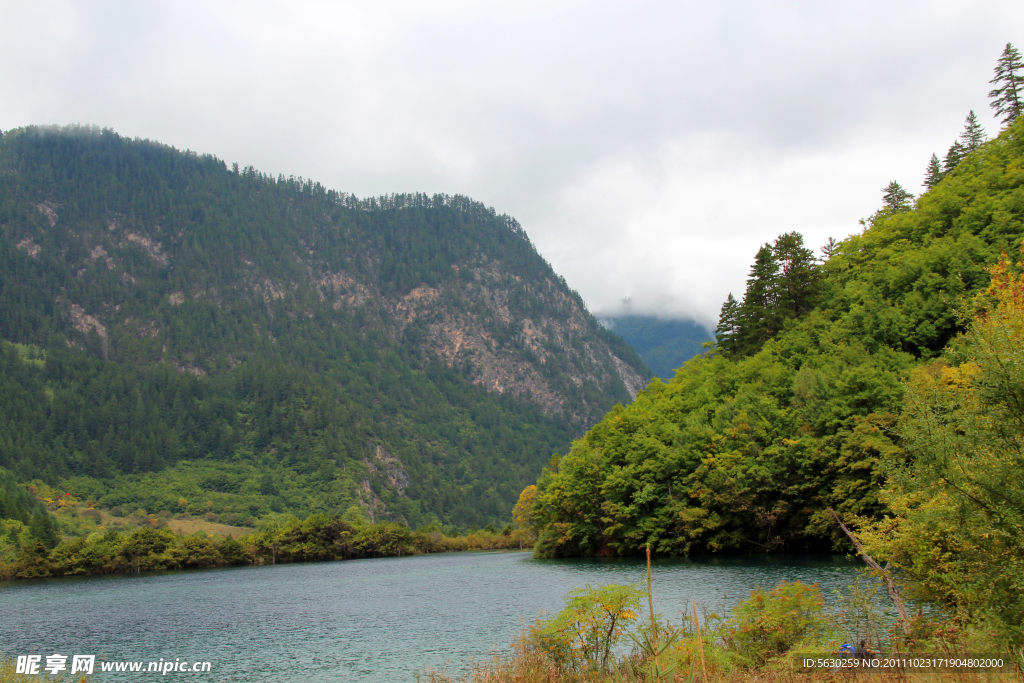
757 315
44 528
783 284
728 326
1008 95
896 198
933 173
829 248
973 134
798 276
954 156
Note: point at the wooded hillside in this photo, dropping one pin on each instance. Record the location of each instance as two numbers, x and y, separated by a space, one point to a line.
749 445
188 337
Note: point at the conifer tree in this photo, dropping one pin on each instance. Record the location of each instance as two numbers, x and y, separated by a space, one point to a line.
954 156
1008 95
830 247
758 319
783 284
798 276
728 326
973 134
896 198
933 173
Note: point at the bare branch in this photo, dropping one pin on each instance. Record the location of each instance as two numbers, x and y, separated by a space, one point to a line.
890 585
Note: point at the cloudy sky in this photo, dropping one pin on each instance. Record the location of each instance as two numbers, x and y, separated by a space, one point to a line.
647 148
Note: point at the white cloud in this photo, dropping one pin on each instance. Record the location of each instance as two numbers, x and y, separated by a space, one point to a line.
647 148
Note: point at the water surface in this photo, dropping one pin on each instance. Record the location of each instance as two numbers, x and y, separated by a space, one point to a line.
371 621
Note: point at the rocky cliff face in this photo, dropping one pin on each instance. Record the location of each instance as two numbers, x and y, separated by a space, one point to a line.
550 355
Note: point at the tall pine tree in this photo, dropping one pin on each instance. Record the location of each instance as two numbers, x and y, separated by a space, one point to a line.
829 248
727 332
896 198
973 134
798 276
758 318
1008 95
782 285
954 156
933 172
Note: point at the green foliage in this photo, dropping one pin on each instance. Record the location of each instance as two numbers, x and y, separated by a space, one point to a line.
783 285
954 156
770 623
860 611
653 649
22 513
971 138
279 538
354 517
663 344
759 319
896 198
593 620
745 647
383 540
179 330
1008 95
973 135
746 452
959 502
727 333
729 455
932 174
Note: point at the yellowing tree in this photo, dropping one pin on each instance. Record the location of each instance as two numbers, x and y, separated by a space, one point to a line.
958 528
522 513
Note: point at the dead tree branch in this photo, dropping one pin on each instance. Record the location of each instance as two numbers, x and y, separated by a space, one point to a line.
890 585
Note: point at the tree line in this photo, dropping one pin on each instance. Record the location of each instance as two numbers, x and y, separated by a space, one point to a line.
278 540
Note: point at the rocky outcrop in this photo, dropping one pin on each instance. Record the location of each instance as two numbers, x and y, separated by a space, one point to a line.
478 324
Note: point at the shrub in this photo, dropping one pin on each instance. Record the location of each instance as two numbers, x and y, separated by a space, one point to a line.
770 623
592 622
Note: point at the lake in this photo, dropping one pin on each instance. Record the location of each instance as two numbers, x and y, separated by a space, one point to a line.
367 621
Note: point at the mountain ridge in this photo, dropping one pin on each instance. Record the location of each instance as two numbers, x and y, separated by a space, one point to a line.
411 354
664 344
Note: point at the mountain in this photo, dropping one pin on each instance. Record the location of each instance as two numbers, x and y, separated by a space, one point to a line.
187 337
663 344
746 450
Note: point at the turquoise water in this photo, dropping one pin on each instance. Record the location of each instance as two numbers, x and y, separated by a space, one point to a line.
371 621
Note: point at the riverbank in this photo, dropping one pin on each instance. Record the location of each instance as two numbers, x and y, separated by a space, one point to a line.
317 538
780 635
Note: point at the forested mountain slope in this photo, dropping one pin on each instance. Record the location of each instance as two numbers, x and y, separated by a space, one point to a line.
663 344
184 336
747 447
